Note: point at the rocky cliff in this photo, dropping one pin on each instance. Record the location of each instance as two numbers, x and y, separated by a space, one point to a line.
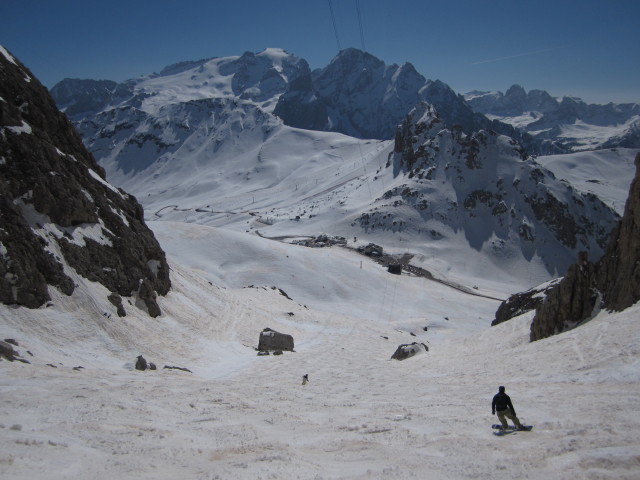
59 218
612 283
359 95
484 184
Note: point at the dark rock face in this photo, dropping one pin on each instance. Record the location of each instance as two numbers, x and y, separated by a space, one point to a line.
272 340
520 303
619 268
612 283
299 107
571 301
57 208
82 96
359 95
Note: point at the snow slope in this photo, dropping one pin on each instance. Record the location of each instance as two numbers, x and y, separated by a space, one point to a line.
605 173
235 167
197 143
361 416
81 410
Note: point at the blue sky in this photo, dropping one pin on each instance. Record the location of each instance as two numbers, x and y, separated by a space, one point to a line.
584 48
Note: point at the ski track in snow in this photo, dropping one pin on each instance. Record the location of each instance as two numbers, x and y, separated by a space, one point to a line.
361 416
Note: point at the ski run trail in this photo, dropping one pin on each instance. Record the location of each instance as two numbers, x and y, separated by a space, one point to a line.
362 415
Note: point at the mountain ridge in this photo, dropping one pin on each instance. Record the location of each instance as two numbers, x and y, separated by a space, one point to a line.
308 99
562 120
320 99
214 118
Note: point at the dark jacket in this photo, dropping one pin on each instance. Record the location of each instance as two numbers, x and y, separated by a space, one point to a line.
501 402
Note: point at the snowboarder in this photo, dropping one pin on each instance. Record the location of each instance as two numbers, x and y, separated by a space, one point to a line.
305 379
504 408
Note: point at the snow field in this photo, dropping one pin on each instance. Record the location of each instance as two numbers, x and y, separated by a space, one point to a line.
361 416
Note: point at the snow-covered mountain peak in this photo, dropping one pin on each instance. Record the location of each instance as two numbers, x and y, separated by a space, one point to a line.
277 56
207 126
258 78
568 121
484 185
429 123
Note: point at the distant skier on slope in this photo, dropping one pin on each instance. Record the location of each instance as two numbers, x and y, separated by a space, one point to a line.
305 379
502 405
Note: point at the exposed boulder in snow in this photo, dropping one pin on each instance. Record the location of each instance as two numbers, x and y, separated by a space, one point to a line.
59 215
272 340
141 363
7 351
409 350
612 283
116 301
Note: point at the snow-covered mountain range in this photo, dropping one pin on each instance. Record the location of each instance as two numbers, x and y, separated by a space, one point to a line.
568 122
232 195
258 131
356 94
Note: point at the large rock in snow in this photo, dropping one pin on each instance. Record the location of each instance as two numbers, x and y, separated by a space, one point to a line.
272 340
409 350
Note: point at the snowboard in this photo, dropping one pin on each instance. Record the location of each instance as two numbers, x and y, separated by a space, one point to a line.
510 429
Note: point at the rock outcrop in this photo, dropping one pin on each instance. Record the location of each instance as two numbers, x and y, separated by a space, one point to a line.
569 302
522 302
409 350
612 283
58 215
485 185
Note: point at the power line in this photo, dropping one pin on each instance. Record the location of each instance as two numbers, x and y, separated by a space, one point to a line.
360 24
333 20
